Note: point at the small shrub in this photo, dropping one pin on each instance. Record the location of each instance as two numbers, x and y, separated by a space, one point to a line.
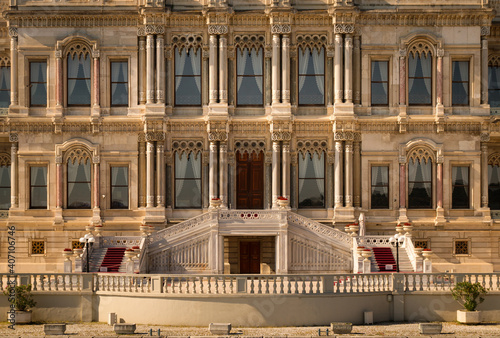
469 295
23 300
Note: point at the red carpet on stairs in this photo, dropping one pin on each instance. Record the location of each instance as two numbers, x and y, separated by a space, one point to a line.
113 259
384 256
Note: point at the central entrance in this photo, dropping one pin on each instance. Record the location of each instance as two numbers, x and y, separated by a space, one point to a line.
249 180
249 257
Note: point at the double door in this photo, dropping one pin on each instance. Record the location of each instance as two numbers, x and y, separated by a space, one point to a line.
249 180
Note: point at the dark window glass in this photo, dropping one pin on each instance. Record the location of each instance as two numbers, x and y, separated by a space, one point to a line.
311 181
494 187
312 76
420 184
38 185
494 86
4 87
380 187
380 83
79 80
119 83
420 79
119 187
187 77
79 191
188 180
38 84
460 187
460 83
5 188
250 82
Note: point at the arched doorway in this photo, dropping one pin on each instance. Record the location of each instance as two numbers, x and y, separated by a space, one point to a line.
249 180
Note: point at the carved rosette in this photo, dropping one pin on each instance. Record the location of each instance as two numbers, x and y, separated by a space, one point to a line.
217 29
485 137
281 29
13 137
281 136
343 28
485 30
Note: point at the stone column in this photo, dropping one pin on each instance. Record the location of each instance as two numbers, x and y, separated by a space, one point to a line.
150 76
96 79
484 69
484 175
14 202
142 174
348 174
95 186
160 175
150 180
212 174
402 185
223 173
439 182
339 181
160 70
213 69
13 67
276 174
286 171
285 54
348 69
402 77
276 69
59 79
337 69
357 174
223 69
59 183
142 69
439 75
357 73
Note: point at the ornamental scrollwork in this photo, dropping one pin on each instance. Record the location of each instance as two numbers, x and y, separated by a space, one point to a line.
347 136
13 137
155 29
217 29
494 159
249 42
281 136
311 42
187 146
485 137
4 159
310 147
249 146
421 154
281 29
12 32
485 30
343 28
217 135
141 31
154 136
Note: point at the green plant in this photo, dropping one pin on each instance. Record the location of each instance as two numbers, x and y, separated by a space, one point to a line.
23 300
469 295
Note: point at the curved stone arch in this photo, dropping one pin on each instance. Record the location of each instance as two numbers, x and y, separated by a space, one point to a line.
77 149
494 159
4 60
249 146
310 147
421 42
4 159
187 41
249 42
311 42
421 149
77 45
494 60
187 146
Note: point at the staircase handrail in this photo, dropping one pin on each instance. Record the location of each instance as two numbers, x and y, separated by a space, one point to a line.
181 227
119 241
375 241
143 268
410 251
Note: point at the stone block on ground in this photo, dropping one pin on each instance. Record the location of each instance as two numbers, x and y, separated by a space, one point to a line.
341 328
54 329
220 328
124 328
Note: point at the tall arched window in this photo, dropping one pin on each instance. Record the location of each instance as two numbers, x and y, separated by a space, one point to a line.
4 82
79 75
79 176
250 79
4 181
420 74
188 179
494 81
311 76
420 179
312 180
187 77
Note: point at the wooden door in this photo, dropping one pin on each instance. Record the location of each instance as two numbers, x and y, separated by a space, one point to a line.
249 257
250 180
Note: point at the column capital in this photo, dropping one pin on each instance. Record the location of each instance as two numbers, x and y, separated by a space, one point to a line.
13 137
281 29
13 32
485 30
154 29
96 54
154 136
217 29
402 53
440 52
485 137
343 28
217 135
58 54
280 135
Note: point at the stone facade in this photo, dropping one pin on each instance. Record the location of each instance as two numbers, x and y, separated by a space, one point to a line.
346 125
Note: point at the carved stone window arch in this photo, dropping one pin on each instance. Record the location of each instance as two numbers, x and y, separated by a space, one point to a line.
421 153
5 199
311 42
249 147
249 42
78 155
310 147
4 159
494 159
4 60
187 41
180 147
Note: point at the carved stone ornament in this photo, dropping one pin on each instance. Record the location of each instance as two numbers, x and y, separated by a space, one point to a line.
249 42
485 137
13 137
12 32
58 54
485 30
494 159
141 31
155 29
187 41
309 147
402 52
96 159
96 54
440 52
281 136
249 146
187 146
343 28
217 29
281 29
347 136
402 159
59 159
155 136
218 135
311 42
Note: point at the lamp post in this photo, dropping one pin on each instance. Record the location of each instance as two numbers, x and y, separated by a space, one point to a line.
397 239
88 239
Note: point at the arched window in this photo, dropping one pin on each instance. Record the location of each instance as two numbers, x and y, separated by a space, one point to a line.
494 181
250 80
312 180
420 74
79 175
494 81
4 181
79 75
187 77
311 76
420 179
4 82
187 180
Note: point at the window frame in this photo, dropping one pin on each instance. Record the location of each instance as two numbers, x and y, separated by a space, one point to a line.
408 82
452 185
8 84
198 51
91 185
388 166
260 105
30 247
377 59
9 187
325 61
468 60
325 162
497 185
432 181
174 177
30 186
493 89
469 247
89 56
111 186
30 83
127 83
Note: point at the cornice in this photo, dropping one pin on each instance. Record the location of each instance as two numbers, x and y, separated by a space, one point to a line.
44 20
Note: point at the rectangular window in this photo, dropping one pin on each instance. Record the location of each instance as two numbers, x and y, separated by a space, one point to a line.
421 243
38 84
76 244
461 247
119 83
4 87
312 76
188 180
460 187
380 187
494 86
79 186
494 187
460 83
380 83
312 180
37 247
420 184
119 187
38 187
420 79
5 187
79 80
187 77
249 80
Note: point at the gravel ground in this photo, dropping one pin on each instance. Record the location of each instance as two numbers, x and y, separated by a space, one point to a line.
380 329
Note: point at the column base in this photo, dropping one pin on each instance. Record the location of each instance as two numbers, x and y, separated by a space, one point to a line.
486 214
343 109
96 217
439 110
58 219
154 216
154 109
440 220
343 215
402 216
217 109
281 109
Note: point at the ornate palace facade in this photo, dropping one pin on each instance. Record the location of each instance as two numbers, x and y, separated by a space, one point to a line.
127 113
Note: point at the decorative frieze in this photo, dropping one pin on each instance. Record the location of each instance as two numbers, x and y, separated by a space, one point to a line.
311 41
343 28
154 136
347 136
249 147
217 29
188 147
281 136
436 19
254 41
310 147
217 135
281 29
46 20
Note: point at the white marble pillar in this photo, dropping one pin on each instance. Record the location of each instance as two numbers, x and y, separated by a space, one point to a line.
150 75
357 70
212 171
150 180
339 179
276 174
160 175
142 174
286 68
223 69
59 184
439 77
223 173
348 174
276 69
13 71
402 77
13 176
160 70
484 175
286 171
142 70
213 69
95 186
484 70
337 69
348 69
439 172
59 79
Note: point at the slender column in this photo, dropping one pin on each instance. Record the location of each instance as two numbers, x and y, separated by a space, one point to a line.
440 185
213 69
13 176
339 182
142 174
286 171
484 175
484 70
160 176
402 77
223 173
357 72
150 180
348 69
96 79
223 69
402 185
276 173
286 68
150 76
142 69
13 71
160 70
276 69
348 174
59 185
59 79
212 174
439 75
357 174
96 186
337 69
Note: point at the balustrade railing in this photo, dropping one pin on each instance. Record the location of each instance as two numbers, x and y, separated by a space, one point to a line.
410 251
45 281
